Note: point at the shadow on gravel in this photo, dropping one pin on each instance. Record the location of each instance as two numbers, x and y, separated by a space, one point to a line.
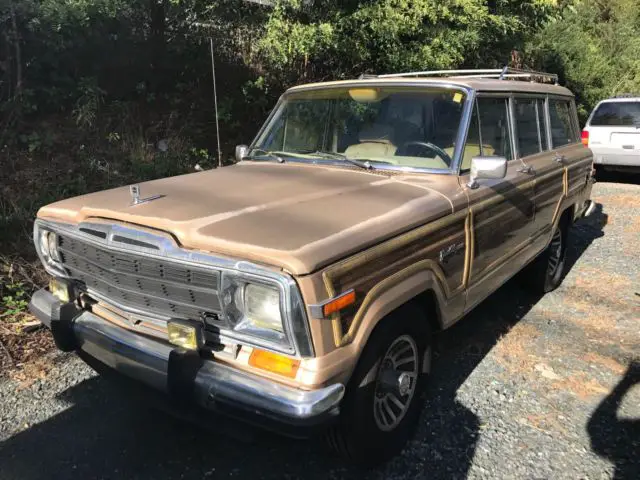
583 233
615 439
104 435
618 177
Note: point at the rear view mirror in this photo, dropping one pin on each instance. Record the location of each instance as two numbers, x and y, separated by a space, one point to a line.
241 152
487 168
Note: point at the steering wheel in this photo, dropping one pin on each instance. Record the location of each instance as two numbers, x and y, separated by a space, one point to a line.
428 145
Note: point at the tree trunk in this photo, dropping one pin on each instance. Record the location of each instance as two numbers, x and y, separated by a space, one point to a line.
7 68
18 50
158 41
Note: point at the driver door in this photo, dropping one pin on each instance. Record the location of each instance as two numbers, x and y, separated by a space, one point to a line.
502 209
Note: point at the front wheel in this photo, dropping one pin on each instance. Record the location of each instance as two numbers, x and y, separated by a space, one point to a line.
384 397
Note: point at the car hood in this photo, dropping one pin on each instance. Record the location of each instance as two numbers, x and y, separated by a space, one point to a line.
293 216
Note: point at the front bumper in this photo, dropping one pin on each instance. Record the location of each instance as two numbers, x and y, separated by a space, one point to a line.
184 376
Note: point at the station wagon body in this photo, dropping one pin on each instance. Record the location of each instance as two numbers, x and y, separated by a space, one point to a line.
299 287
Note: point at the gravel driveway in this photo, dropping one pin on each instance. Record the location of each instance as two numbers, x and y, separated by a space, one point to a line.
525 387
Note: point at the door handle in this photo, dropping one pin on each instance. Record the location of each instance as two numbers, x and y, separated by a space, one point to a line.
525 169
559 158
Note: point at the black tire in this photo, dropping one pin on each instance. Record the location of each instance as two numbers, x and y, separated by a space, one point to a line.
360 435
546 272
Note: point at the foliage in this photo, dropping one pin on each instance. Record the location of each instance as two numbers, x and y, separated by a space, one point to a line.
17 301
594 44
99 93
336 39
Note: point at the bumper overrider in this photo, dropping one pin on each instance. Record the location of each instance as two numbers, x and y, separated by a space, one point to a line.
183 375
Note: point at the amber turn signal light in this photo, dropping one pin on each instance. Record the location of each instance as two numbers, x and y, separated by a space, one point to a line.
274 362
339 303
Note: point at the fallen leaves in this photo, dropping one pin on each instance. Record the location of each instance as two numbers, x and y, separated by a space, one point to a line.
513 350
18 348
607 362
581 385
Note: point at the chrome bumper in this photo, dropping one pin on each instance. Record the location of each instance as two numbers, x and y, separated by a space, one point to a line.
211 385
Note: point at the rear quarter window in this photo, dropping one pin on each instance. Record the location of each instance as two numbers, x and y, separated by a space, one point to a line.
616 114
563 131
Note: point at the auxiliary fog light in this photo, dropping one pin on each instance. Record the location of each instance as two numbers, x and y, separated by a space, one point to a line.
184 334
61 289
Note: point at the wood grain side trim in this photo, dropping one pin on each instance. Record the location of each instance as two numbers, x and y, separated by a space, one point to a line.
381 287
469 235
332 273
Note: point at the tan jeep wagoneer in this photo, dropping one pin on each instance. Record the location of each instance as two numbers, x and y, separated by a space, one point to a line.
299 288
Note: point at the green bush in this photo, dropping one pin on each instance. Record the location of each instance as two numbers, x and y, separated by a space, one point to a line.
594 46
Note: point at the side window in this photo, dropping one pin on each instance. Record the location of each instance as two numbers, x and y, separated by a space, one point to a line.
493 115
530 126
562 131
528 131
488 131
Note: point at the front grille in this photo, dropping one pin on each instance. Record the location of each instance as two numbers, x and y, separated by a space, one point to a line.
147 284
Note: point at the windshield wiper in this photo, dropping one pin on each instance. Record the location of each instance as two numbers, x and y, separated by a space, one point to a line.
324 154
365 164
265 153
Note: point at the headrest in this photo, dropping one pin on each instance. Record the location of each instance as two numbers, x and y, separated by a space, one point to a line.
377 133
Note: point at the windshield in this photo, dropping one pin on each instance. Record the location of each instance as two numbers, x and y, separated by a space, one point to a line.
412 127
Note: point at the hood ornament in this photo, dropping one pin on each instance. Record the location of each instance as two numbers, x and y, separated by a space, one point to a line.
134 190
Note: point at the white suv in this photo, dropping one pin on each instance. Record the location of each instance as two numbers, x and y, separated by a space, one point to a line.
612 133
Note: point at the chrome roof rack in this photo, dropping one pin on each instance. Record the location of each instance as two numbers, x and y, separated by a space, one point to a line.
506 73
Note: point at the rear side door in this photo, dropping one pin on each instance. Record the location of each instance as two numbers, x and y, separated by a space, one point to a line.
502 209
614 132
562 170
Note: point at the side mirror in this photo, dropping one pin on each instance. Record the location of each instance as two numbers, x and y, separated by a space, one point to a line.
487 168
241 152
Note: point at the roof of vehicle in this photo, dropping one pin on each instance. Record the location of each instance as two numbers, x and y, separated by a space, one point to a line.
625 98
478 84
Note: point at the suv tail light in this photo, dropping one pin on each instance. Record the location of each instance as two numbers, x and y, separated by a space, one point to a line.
585 138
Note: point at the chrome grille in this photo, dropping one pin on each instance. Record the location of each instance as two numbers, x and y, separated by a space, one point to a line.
153 285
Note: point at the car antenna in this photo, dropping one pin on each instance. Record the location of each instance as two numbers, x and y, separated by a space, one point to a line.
215 101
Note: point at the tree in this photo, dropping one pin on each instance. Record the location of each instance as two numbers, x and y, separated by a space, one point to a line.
336 39
594 45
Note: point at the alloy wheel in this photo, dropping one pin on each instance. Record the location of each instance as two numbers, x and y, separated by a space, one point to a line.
396 383
555 253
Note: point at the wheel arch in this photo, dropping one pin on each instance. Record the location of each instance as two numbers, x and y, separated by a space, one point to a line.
422 290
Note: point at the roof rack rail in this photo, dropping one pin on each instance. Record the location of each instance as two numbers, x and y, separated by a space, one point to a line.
506 73
626 95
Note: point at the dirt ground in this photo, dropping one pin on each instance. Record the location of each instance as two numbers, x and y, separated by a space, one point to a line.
524 387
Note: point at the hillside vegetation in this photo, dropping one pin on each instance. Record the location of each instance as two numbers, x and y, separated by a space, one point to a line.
100 93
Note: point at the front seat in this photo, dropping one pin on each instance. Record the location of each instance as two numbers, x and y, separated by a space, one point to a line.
375 143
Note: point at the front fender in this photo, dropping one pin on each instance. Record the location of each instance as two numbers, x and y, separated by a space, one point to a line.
383 299
392 293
